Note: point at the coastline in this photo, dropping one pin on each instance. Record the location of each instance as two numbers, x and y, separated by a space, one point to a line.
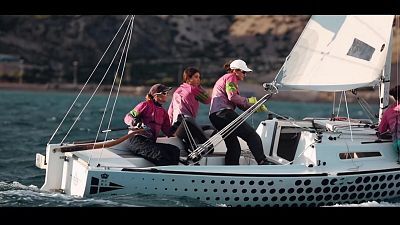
130 90
245 88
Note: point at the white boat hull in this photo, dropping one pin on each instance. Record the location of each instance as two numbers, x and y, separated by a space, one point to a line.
316 173
263 190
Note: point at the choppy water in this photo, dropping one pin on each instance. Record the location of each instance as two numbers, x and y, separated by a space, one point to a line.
28 120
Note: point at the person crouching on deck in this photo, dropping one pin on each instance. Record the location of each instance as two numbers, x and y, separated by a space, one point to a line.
153 118
225 98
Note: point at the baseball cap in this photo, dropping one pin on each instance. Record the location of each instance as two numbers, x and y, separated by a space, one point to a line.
239 64
158 89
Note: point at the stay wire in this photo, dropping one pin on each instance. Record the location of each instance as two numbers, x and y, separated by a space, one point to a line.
228 129
94 92
87 81
348 116
124 55
192 142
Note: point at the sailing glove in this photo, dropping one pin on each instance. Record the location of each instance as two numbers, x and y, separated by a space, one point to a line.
136 122
262 108
253 100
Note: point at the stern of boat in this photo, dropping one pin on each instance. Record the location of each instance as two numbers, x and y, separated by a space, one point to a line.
64 173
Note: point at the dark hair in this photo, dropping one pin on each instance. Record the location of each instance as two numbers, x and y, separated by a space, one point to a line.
189 73
395 92
157 88
227 66
149 97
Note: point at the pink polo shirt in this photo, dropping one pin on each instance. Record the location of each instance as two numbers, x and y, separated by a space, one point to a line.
391 120
153 116
226 94
185 100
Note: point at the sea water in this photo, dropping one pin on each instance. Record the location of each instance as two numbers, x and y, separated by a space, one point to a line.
29 120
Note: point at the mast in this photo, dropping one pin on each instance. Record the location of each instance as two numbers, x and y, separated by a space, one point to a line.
385 81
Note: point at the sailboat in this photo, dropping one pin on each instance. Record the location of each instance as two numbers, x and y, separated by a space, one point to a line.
317 161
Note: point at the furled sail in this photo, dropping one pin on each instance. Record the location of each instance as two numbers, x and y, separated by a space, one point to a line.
337 53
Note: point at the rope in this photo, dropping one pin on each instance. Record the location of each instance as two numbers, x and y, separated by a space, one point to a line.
365 106
397 82
333 103
227 130
192 142
94 92
87 81
348 116
340 103
124 55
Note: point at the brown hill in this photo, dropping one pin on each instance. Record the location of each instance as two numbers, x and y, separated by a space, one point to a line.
161 46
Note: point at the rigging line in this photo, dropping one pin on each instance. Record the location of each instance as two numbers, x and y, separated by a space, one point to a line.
397 83
368 107
348 116
192 142
333 103
397 53
291 121
123 70
87 81
363 107
111 89
397 48
340 103
94 92
228 129
126 49
364 104
236 122
232 126
352 156
123 55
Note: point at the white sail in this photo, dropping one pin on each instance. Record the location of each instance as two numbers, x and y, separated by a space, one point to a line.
337 53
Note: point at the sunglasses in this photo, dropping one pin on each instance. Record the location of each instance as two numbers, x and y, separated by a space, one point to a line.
244 72
165 93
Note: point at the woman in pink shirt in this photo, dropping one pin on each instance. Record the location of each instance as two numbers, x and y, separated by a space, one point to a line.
151 115
390 121
225 98
185 104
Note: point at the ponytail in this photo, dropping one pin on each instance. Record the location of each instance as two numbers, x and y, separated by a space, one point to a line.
227 66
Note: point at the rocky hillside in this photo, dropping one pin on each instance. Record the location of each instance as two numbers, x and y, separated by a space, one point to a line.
162 46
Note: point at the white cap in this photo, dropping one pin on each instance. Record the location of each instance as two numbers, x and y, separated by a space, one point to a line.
239 64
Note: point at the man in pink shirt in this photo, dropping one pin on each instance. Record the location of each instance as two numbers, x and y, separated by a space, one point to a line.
390 121
225 98
185 105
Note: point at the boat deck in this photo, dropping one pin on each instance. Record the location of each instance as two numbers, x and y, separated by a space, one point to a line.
116 158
